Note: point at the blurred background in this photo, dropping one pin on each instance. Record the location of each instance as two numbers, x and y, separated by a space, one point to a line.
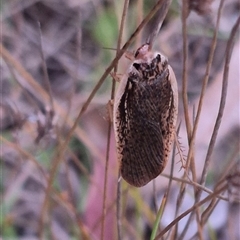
53 53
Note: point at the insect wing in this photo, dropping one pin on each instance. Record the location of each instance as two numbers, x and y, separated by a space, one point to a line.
145 112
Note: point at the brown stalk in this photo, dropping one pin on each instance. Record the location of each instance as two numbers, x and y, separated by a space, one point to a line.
229 50
185 68
205 81
161 15
197 185
172 169
185 102
138 41
204 85
123 19
232 165
208 211
196 205
193 170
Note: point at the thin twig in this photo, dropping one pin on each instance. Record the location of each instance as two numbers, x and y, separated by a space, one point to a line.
172 166
105 180
204 85
229 50
138 41
197 185
123 20
197 205
205 81
193 170
185 68
185 103
161 15
119 215
207 212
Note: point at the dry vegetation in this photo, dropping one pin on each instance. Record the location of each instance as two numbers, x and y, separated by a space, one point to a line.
58 178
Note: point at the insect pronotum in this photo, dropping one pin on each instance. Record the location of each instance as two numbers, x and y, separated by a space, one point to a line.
144 116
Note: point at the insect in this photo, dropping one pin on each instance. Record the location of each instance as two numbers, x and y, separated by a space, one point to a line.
144 116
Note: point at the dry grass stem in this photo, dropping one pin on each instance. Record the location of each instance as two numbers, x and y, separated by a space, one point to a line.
60 175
